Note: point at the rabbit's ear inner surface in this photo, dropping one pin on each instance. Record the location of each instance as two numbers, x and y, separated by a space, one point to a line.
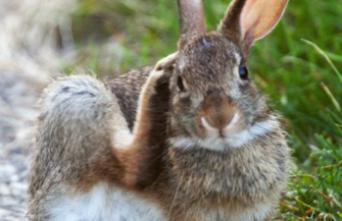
191 19
249 20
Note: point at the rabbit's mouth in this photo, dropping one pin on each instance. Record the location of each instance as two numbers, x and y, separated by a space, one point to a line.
235 135
234 125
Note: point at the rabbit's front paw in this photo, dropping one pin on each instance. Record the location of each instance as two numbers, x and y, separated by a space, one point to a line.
166 62
163 66
159 73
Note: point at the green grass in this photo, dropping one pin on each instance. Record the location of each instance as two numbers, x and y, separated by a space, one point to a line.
297 66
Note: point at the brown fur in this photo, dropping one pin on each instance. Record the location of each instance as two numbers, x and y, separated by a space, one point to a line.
191 183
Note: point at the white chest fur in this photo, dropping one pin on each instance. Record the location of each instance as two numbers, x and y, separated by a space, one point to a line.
104 203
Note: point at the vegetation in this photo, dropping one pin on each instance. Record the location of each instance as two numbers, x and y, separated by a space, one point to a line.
297 66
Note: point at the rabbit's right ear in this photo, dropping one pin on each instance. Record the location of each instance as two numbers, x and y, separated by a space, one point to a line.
249 20
191 20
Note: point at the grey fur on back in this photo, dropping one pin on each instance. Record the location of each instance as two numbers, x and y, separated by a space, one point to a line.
127 89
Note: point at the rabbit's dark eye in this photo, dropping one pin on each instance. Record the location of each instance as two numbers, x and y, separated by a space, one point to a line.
243 72
180 84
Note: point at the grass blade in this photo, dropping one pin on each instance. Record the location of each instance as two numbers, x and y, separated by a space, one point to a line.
327 58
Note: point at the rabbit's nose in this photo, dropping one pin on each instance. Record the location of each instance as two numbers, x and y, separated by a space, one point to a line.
218 112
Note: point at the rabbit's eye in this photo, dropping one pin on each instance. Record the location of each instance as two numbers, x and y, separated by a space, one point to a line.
180 84
243 72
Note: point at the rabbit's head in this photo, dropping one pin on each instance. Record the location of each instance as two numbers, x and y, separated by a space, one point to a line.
214 102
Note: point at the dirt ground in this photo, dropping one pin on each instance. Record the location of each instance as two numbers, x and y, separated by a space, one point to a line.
28 61
18 110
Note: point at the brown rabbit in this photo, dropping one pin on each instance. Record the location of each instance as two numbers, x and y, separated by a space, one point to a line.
206 148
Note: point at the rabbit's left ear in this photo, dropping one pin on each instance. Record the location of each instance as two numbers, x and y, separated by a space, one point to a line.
249 20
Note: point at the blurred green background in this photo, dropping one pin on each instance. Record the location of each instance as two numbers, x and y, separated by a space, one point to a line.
297 66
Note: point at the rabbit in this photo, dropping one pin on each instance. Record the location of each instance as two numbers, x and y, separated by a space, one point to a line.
227 156
191 139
